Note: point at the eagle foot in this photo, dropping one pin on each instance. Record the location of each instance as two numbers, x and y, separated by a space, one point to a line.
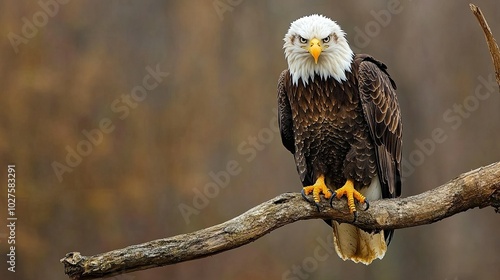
318 188
352 195
304 196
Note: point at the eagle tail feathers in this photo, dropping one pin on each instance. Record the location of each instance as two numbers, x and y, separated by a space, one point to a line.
358 245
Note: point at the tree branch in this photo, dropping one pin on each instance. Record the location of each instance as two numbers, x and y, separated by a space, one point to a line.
477 188
490 40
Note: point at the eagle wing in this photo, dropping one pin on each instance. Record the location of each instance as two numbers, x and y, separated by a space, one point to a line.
285 114
382 113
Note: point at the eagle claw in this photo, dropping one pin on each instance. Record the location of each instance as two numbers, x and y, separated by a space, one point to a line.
331 199
367 205
304 196
355 212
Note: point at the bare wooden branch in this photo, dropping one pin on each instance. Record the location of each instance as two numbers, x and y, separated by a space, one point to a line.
490 40
477 188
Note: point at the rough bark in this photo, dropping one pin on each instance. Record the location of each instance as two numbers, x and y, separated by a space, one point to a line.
477 188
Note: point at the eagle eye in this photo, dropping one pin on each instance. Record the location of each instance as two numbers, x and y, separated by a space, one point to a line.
326 39
302 40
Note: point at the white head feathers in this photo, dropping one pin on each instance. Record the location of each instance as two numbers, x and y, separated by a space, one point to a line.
335 58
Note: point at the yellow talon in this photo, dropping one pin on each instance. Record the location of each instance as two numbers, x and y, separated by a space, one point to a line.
318 188
351 194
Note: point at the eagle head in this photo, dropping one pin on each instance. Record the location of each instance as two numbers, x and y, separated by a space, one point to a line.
316 45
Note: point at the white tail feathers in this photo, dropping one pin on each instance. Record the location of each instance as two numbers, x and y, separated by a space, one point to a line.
358 245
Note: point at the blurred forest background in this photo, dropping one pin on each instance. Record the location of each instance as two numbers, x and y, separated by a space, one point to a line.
77 67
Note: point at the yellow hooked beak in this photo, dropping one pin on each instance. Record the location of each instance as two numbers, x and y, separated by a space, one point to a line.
315 49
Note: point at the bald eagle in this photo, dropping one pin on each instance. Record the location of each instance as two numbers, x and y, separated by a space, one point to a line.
339 116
